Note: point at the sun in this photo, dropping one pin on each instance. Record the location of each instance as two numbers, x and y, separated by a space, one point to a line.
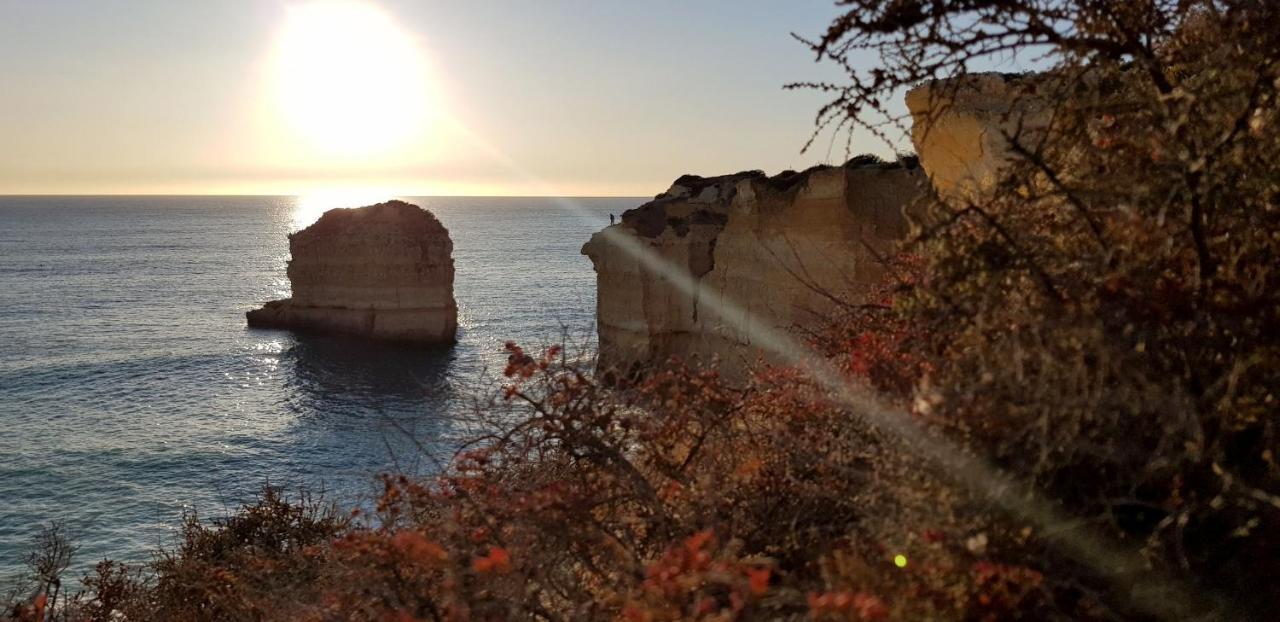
349 81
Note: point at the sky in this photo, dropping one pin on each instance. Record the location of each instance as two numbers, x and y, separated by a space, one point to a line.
547 98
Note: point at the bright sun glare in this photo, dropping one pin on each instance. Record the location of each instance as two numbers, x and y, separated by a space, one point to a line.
349 81
309 207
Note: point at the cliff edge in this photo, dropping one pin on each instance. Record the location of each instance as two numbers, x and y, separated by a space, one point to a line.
382 272
778 247
772 247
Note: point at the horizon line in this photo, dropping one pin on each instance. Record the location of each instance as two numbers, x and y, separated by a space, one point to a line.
303 194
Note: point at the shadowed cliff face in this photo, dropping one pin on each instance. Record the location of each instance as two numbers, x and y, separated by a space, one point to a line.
383 271
773 247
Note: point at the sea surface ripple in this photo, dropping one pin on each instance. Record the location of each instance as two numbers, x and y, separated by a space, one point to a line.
131 390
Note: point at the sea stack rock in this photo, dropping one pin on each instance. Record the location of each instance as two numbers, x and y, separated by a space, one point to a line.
382 272
774 247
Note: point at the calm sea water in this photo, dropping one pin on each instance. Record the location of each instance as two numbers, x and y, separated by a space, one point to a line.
131 389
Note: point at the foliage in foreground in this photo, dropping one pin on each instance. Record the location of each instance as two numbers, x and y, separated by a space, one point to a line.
680 498
1106 320
1105 325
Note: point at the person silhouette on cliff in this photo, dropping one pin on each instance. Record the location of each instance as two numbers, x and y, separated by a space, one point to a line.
611 219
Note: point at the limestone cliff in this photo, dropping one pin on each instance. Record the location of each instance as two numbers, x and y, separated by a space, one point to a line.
960 127
383 271
770 245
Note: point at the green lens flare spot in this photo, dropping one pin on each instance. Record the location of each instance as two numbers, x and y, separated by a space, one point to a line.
900 561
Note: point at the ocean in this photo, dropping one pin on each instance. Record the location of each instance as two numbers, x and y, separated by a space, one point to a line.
132 391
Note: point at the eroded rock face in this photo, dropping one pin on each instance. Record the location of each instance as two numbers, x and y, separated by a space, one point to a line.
960 127
383 271
768 247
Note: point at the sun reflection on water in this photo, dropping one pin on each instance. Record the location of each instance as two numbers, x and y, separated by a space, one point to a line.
309 207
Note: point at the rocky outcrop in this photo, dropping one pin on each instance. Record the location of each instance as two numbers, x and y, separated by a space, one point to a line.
960 127
773 248
383 272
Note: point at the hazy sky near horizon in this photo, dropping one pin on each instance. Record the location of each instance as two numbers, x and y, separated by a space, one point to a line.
554 97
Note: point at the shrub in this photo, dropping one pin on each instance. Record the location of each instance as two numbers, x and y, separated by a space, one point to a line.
1104 320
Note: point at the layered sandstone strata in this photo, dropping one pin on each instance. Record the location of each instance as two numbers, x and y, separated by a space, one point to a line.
754 250
383 272
961 128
